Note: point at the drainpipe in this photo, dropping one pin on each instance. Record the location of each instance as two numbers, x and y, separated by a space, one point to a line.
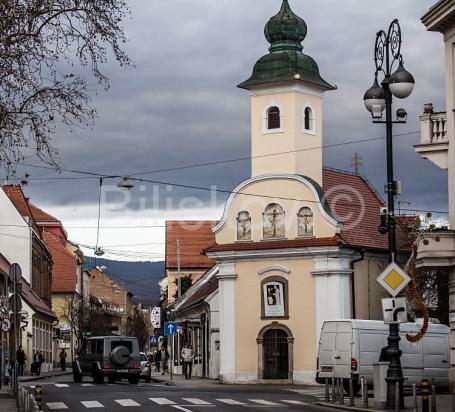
353 262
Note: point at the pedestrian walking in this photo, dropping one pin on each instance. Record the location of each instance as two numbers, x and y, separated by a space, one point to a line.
37 361
157 359
63 360
20 359
164 355
187 356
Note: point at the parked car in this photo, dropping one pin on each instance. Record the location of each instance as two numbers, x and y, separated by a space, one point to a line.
114 357
146 372
143 359
351 347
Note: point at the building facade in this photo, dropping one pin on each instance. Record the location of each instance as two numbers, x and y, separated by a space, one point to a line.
438 145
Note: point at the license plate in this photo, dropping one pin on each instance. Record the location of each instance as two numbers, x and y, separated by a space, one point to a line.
326 368
122 370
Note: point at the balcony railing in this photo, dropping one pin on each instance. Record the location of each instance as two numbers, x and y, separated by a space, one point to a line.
434 139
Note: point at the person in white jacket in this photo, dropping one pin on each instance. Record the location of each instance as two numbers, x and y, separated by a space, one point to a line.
187 356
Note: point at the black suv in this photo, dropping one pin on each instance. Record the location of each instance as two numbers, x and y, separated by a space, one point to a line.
116 357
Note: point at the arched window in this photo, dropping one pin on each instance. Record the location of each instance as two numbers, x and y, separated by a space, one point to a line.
243 226
274 222
273 118
308 119
305 222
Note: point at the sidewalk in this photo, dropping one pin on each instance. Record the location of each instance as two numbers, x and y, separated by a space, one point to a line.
45 375
179 380
443 403
7 401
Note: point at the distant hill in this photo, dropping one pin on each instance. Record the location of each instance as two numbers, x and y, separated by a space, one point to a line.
140 278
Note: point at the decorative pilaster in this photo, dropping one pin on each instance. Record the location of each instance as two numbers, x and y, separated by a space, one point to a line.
226 277
333 289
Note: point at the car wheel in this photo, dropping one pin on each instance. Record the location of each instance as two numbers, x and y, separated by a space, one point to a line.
98 377
111 379
355 386
133 380
77 377
148 380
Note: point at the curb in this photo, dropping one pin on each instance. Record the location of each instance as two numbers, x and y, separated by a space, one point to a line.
41 377
344 407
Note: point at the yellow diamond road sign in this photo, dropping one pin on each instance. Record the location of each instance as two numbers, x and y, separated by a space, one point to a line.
393 279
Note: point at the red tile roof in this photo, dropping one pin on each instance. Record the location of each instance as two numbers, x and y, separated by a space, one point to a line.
17 197
64 270
194 236
41 216
37 304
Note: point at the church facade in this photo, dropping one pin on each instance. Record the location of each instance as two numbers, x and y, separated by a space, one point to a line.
298 243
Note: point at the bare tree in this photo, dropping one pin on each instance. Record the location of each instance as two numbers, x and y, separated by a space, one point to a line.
43 46
136 326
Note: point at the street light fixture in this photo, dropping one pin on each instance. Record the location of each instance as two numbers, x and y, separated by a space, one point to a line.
125 184
378 98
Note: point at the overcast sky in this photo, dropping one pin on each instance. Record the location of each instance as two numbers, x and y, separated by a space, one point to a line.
179 106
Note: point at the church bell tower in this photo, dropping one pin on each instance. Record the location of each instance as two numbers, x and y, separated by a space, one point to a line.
286 103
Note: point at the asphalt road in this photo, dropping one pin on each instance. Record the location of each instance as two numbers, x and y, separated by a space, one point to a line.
61 394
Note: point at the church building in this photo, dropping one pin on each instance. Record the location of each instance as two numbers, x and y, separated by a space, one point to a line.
297 243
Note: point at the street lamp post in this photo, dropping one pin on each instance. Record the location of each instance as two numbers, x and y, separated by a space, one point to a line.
378 98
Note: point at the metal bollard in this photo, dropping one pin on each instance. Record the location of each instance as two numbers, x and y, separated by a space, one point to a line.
414 397
341 392
365 395
453 400
351 393
397 397
327 391
425 387
433 398
333 390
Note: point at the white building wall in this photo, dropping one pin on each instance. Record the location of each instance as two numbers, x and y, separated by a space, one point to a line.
15 236
214 361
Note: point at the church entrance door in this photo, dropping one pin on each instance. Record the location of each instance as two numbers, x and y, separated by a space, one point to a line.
276 354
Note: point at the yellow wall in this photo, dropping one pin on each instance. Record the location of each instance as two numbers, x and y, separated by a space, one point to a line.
283 189
302 317
292 137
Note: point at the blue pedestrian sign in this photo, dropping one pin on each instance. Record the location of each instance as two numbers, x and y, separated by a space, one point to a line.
170 328
153 340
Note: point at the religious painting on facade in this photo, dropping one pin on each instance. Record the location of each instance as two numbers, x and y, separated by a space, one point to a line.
305 222
243 226
274 222
273 299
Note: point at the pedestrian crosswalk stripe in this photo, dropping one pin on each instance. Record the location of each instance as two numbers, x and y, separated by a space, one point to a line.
162 401
294 402
92 404
196 401
62 385
264 402
53 406
230 401
127 402
86 384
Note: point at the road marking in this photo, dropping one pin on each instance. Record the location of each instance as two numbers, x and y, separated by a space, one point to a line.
295 402
61 385
230 401
87 384
196 401
264 402
56 405
181 408
127 402
162 401
92 404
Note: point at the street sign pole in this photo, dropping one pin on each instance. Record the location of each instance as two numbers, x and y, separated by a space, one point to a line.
15 274
172 354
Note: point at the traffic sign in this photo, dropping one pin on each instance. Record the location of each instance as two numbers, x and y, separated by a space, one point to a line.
155 317
394 310
18 307
170 328
153 340
393 279
15 273
5 324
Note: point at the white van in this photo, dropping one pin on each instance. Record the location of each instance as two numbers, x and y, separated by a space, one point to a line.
351 347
